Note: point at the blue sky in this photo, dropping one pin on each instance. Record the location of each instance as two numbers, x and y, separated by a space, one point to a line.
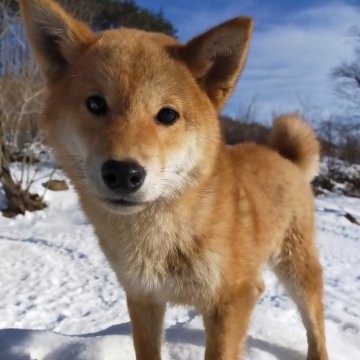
294 47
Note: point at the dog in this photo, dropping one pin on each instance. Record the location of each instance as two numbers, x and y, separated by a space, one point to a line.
132 117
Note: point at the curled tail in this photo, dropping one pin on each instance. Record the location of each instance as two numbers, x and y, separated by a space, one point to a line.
294 139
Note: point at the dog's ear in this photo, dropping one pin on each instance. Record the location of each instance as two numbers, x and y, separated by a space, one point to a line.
217 57
55 37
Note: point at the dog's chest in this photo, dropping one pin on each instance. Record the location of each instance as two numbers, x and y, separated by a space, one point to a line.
162 259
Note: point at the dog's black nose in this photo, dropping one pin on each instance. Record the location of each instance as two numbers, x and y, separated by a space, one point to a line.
123 177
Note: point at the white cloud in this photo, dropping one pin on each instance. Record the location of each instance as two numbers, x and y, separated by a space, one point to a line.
293 58
291 54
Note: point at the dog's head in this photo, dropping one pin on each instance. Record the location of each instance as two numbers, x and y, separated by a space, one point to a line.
132 115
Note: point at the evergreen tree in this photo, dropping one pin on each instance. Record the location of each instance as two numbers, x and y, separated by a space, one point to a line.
106 14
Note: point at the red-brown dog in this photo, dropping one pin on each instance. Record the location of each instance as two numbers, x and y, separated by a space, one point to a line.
132 117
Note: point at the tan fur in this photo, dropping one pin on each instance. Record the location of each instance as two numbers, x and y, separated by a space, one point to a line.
210 215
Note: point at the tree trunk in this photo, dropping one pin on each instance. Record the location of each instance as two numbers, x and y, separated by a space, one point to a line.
19 200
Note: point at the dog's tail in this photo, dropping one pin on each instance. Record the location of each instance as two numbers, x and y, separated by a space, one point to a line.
294 139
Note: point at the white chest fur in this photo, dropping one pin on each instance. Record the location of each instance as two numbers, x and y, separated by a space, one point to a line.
156 255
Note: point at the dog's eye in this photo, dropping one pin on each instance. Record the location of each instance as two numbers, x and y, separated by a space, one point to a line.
167 116
97 105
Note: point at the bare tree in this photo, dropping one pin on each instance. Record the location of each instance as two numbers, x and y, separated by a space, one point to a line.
347 80
20 102
247 111
347 74
347 86
20 90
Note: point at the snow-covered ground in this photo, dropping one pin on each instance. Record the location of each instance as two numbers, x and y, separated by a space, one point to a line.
60 301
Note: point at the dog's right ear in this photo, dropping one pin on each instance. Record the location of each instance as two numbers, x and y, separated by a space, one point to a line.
55 37
217 57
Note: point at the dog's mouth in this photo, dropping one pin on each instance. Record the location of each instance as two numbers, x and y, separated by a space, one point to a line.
122 203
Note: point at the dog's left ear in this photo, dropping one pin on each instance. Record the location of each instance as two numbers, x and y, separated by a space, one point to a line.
217 57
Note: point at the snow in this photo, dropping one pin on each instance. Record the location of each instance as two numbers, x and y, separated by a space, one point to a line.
60 300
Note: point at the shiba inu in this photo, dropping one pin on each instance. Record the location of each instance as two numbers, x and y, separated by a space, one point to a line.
181 218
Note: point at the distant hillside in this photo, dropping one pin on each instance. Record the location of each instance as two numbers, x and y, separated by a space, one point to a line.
338 140
237 131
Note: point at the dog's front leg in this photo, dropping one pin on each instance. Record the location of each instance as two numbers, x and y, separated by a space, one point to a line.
227 322
147 327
